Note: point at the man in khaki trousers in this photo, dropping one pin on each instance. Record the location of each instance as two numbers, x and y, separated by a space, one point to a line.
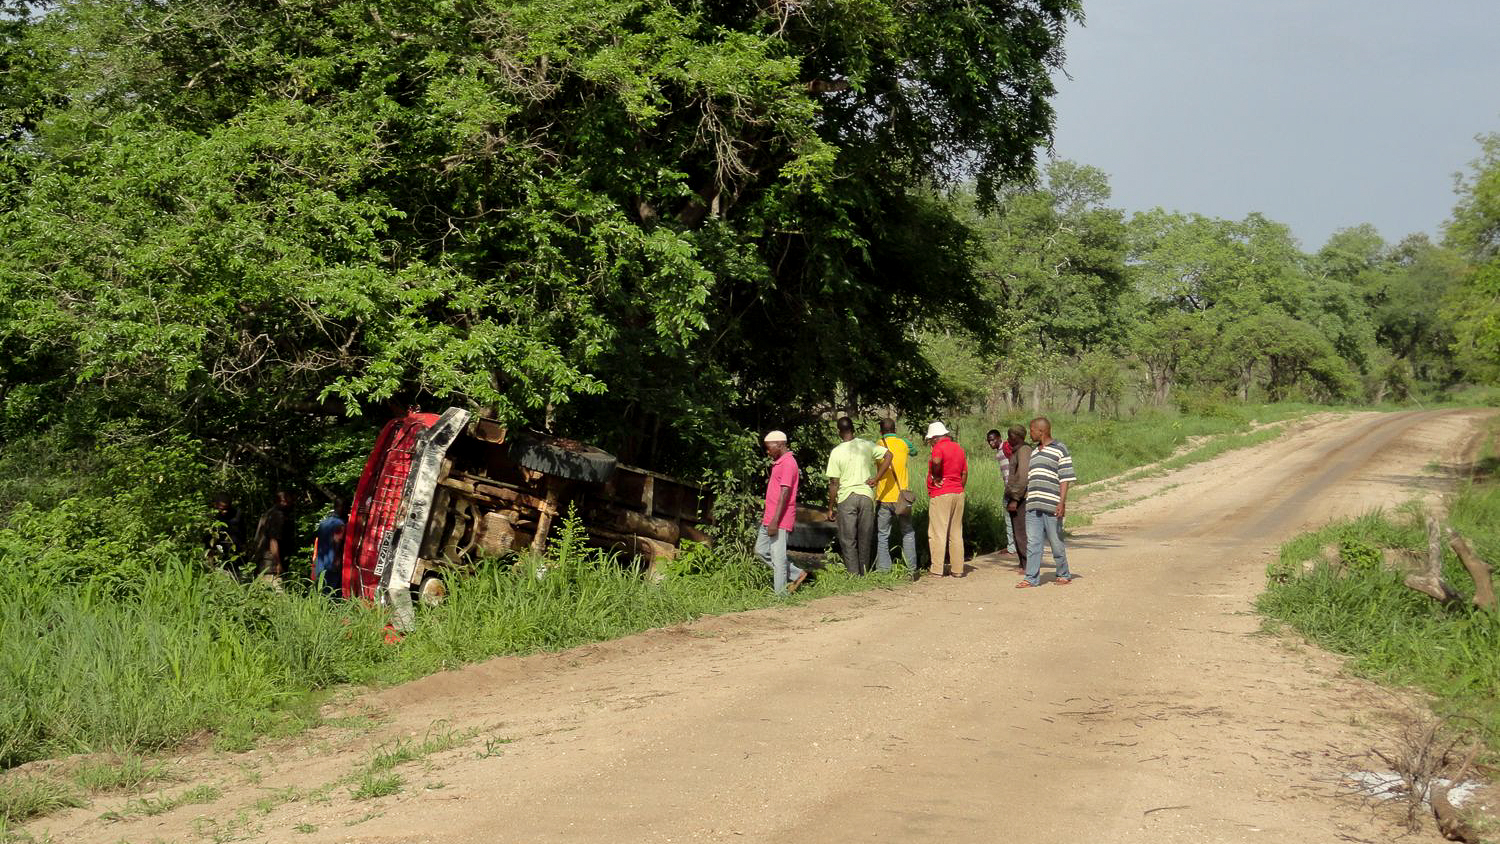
947 473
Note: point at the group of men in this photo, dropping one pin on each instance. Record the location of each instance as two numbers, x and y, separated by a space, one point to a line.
1038 475
870 497
269 553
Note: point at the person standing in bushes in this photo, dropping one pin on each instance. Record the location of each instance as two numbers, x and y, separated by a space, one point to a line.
947 474
275 537
851 496
226 537
1003 451
328 549
1048 478
893 500
780 516
1018 468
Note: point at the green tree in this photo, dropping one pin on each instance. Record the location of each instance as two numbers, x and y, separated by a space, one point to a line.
652 222
1169 342
1055 260
1474 231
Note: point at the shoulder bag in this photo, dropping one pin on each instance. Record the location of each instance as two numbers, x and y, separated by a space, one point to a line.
905 497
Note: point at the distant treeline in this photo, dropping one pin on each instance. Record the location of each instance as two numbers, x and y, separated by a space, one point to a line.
1101 308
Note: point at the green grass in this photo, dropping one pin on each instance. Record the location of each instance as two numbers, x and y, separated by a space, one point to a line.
402 751
292 794
189 651
370 785
23 797
162 803
126 773
1209 450
1389 632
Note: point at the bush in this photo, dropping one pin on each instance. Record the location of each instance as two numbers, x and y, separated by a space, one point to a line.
1209 405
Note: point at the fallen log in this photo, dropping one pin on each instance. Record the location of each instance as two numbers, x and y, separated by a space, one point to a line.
1449 822
1430 580
632 522
1484 584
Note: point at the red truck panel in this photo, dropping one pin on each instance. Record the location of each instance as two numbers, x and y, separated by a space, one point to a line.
377 499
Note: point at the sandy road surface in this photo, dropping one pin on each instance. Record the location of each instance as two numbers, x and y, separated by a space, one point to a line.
1137 704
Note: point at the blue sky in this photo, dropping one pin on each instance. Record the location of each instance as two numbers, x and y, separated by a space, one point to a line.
1321 114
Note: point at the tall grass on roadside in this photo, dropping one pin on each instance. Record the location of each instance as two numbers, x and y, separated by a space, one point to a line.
186 650
1390 632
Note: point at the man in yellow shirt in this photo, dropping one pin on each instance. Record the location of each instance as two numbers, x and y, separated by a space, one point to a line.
851 501
893 500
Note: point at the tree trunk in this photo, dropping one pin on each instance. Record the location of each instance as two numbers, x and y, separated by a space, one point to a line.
1484 584
1093 400
1430 581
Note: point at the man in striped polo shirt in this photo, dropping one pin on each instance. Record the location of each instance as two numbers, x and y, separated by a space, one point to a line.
1048 478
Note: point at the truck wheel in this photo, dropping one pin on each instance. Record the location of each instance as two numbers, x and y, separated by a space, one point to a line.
433 591
812 536
564 459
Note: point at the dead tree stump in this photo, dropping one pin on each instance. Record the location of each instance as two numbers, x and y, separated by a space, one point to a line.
1484 584
1430 580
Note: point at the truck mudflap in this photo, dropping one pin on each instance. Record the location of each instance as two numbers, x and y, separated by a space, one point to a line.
400 545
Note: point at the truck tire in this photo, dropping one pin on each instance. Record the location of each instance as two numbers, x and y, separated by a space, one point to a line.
563 459
812 536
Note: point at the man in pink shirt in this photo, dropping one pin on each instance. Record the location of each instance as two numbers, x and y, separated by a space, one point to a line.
780 516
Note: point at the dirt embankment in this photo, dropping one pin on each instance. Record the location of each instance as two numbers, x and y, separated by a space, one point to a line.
1139 703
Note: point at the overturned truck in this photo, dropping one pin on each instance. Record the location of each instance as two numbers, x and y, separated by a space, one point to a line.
441 490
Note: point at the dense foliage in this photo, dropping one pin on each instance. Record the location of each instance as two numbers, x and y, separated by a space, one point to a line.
270 210
240 234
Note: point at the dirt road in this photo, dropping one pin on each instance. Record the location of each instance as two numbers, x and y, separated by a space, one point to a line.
1139 703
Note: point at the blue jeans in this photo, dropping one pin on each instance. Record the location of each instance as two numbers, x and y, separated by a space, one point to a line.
885 514
327 576
772 552
1037 524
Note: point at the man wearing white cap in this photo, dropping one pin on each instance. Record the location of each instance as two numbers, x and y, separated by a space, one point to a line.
780 516
947 473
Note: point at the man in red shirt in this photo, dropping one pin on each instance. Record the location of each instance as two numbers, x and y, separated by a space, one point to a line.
780 516
947 473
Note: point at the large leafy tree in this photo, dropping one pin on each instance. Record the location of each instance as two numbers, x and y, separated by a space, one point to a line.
1055 263
1474 231
652 222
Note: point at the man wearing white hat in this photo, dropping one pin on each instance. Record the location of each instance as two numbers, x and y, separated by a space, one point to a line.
947 473
780 516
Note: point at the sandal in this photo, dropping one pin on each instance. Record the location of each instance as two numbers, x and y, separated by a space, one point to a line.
1062 581
1025 584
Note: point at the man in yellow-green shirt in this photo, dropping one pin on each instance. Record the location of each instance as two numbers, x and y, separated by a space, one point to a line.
893 500
851 496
